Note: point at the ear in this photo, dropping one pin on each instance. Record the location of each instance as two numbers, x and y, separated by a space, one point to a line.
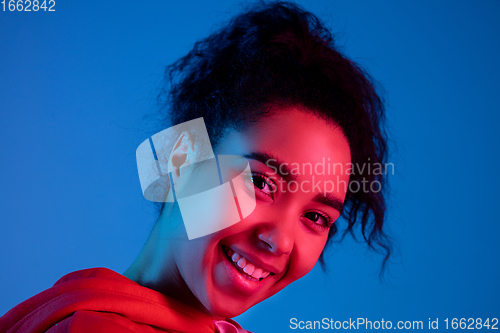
182 154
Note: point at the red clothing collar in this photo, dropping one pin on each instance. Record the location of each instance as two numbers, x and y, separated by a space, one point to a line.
103 296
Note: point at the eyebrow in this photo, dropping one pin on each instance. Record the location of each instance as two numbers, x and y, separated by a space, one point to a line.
284 172
281 168
329 200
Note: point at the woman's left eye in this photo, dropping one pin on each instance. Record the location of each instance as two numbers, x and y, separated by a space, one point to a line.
318 219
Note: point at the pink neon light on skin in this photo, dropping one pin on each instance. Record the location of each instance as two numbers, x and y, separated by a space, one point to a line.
282 235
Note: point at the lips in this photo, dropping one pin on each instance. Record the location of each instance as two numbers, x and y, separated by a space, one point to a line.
245 266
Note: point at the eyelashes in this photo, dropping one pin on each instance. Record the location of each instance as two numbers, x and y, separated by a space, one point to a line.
264 184
319 219
266 189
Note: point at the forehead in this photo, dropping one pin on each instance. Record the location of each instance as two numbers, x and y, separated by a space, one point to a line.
295 136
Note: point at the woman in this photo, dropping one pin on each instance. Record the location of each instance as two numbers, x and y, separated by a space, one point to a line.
270 87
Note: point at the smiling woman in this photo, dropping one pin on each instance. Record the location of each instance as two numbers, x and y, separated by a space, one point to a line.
270 87
280 241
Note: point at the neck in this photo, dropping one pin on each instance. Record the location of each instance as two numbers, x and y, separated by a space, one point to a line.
155 268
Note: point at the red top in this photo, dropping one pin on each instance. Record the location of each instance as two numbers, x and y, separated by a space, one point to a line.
101 300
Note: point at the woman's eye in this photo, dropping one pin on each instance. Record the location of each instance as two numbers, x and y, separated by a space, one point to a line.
264 184
319 219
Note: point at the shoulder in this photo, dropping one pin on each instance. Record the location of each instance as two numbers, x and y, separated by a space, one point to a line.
100 300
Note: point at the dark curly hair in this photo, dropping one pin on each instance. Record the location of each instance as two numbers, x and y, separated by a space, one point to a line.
277 53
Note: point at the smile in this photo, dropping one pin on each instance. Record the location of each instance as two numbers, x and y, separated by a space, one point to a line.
247 268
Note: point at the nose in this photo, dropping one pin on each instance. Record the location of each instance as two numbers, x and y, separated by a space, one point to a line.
278 236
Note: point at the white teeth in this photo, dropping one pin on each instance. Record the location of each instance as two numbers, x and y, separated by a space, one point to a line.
242 262
257 273
249 268
246 266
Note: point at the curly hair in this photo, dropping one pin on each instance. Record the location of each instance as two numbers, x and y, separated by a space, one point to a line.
277 53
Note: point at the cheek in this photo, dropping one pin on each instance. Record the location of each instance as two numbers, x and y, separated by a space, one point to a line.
305 256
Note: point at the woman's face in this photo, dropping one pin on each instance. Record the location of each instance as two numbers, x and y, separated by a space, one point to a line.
297 198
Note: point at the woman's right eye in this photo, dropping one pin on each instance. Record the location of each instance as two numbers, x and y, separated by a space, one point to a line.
263 184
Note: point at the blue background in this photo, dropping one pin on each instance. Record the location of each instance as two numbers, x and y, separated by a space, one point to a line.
76 83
